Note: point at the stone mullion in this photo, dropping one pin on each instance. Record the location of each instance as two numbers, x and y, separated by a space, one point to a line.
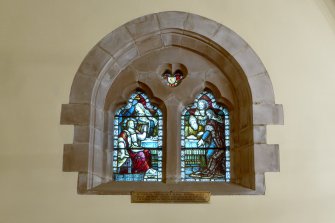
172 142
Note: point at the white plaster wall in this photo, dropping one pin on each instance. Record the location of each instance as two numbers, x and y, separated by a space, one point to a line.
42 43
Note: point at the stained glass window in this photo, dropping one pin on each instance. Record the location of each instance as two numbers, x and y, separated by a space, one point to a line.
205 141
174 79
138 137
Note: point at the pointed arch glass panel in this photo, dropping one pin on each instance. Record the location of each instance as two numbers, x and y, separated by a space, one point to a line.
138 140
205 141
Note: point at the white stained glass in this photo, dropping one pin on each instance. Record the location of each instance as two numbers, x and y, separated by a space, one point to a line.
116 121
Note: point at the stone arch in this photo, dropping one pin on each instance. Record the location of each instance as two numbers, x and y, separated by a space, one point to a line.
234 66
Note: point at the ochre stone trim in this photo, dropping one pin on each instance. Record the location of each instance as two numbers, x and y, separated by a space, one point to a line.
155 32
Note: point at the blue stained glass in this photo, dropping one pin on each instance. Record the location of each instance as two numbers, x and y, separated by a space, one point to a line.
138 142
205 141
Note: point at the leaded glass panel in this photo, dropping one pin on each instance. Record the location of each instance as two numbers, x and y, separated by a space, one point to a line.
205 141
138 140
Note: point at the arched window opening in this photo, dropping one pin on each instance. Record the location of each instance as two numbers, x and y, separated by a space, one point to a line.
205 140
138 132
174 55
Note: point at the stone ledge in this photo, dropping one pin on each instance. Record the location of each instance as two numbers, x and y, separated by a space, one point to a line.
75 157
75 114
266 158
265 114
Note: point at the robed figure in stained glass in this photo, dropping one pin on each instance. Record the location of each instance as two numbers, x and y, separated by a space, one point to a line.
205 140
138 141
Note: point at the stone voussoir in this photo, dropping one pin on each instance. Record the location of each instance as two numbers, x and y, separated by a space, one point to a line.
229 40
249 62
201 25
143 26
94 62
81 89
261 89
149 43
116 40
172 19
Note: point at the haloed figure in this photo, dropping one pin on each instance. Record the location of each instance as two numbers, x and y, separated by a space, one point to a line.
193 130
213 138
200 112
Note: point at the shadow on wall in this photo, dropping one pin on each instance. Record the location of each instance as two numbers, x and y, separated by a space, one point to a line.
327 8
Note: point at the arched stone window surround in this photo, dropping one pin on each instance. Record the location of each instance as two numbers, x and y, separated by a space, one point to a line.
249 90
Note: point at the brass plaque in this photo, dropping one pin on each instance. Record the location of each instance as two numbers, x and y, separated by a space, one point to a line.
170 197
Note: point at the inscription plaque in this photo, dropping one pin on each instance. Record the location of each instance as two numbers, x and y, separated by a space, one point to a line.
170 197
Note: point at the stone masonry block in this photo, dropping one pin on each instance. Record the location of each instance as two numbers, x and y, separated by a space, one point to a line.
81 89
261 88
94 62
81 134
75 114
146 44
201 25
250 62
116 40
100 98
82 183
259 134
143 25
268 114
127 55
172 39
99 119
229 40
266 158
75 157
260 183
172 19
